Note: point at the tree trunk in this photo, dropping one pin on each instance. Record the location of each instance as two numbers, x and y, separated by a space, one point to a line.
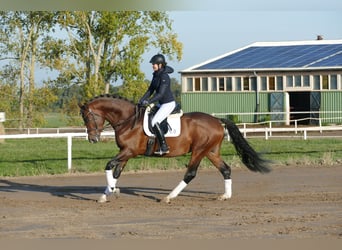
107 88
31 84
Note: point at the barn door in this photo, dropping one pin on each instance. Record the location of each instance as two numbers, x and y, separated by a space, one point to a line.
315 105
276 106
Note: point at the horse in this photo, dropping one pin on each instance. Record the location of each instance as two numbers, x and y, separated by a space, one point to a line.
202 135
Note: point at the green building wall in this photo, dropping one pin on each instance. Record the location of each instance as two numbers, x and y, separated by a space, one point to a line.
247 103
331 101
226 103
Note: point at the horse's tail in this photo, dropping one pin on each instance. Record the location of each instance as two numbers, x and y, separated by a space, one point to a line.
247 154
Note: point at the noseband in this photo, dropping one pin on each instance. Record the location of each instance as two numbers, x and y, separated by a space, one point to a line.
93 116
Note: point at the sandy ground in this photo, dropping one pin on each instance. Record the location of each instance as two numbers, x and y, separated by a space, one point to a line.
288 203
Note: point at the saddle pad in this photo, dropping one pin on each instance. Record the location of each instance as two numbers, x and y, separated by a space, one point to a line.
173 120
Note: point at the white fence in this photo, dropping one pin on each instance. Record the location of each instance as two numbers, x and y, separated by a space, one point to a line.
265 132
268 132
59 135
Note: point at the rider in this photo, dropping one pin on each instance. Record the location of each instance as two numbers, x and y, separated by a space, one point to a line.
160 85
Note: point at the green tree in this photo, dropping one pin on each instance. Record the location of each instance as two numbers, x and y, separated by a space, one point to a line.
21 32
176 89
108 46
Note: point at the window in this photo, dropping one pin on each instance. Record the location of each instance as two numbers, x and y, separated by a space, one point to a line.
316 82
325 82
213 84
197 84
289 81
333 82
306 81
189 84
221 84
298 81
253 83
271 83
246 83
237 83
279 83
205 84
229 84
263 83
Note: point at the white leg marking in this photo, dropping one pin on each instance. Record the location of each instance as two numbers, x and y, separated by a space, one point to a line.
175 192
111 187
227 190
111 182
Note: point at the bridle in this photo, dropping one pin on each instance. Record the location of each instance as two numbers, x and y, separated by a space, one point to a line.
115 126
93 116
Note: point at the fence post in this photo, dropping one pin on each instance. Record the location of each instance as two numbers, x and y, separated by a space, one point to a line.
69 151
244 130
270 126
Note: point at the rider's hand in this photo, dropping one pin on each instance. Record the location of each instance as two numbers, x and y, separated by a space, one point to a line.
145 103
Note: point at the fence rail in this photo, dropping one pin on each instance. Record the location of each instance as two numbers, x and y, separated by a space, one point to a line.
69 137
266 132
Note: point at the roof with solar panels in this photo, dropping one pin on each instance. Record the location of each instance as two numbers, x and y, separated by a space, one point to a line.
293 55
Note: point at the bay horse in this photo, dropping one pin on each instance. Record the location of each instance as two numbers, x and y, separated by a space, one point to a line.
202 135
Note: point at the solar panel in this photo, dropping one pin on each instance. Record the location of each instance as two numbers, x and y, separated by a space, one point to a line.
280 56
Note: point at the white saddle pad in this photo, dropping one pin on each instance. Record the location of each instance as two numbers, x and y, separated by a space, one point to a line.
173 120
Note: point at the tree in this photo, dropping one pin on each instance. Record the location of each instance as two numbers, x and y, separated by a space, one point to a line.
20 34
108 46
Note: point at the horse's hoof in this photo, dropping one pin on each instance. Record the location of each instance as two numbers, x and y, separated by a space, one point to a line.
102 199
223 197
167 200
116 192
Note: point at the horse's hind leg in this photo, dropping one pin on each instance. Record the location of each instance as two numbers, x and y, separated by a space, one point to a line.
189 175
225 170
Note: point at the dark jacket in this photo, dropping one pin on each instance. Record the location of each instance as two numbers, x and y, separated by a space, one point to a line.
161 85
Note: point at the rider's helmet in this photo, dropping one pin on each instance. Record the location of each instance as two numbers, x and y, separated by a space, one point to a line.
158 59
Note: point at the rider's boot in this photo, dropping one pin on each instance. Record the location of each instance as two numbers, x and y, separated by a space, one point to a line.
163 148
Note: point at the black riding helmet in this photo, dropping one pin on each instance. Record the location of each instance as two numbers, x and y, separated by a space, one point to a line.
158 59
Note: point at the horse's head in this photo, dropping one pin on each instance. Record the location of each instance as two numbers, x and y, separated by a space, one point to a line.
93 121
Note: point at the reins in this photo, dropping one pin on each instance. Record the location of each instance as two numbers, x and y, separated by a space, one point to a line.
135 116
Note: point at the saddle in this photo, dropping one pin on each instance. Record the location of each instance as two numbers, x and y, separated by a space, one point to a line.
171 126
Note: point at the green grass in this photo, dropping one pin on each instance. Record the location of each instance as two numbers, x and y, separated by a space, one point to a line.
55 120
22 157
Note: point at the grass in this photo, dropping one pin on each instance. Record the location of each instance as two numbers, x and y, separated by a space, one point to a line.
55 120
25 157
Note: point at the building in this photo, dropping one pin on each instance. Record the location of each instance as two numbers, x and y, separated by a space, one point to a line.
269 81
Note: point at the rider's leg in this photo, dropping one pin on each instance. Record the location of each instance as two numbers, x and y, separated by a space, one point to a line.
163 147
163 112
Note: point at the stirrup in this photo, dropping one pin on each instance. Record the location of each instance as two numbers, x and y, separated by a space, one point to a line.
161 152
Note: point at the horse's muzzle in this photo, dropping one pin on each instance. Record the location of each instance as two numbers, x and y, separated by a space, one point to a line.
93 139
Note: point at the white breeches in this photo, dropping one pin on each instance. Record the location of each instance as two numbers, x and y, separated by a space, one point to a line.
163 112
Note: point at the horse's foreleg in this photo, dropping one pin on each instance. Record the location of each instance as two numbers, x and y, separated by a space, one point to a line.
189 175
112 177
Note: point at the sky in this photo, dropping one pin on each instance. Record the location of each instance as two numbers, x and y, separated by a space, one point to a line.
210 28
208 34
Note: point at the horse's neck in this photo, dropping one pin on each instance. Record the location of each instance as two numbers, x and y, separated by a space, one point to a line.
119 111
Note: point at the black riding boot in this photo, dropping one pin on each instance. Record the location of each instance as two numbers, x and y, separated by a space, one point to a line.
163 148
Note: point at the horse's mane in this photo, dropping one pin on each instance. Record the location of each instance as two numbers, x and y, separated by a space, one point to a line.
113 96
